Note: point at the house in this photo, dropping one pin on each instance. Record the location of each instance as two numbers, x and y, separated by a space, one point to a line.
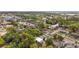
38 39
30 24
7 26
1 26
64 32
27 24
24 23
77 30
2 32
54 26
44 19
11 18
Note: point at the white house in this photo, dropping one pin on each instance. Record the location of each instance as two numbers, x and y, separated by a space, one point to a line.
38 39
54 26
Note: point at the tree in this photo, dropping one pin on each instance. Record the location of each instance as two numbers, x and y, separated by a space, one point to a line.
26 40
14 23
74 27
2 42
11 29
49 42
57 37
49 21
35 32
8 37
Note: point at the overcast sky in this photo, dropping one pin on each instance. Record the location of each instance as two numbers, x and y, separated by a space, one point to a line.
39 5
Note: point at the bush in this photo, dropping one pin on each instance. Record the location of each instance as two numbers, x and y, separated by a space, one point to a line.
1 41
49 42
57 37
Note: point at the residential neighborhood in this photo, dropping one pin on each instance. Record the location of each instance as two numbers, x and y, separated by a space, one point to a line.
39 30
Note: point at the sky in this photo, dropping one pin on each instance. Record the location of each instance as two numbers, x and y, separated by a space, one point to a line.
39 5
